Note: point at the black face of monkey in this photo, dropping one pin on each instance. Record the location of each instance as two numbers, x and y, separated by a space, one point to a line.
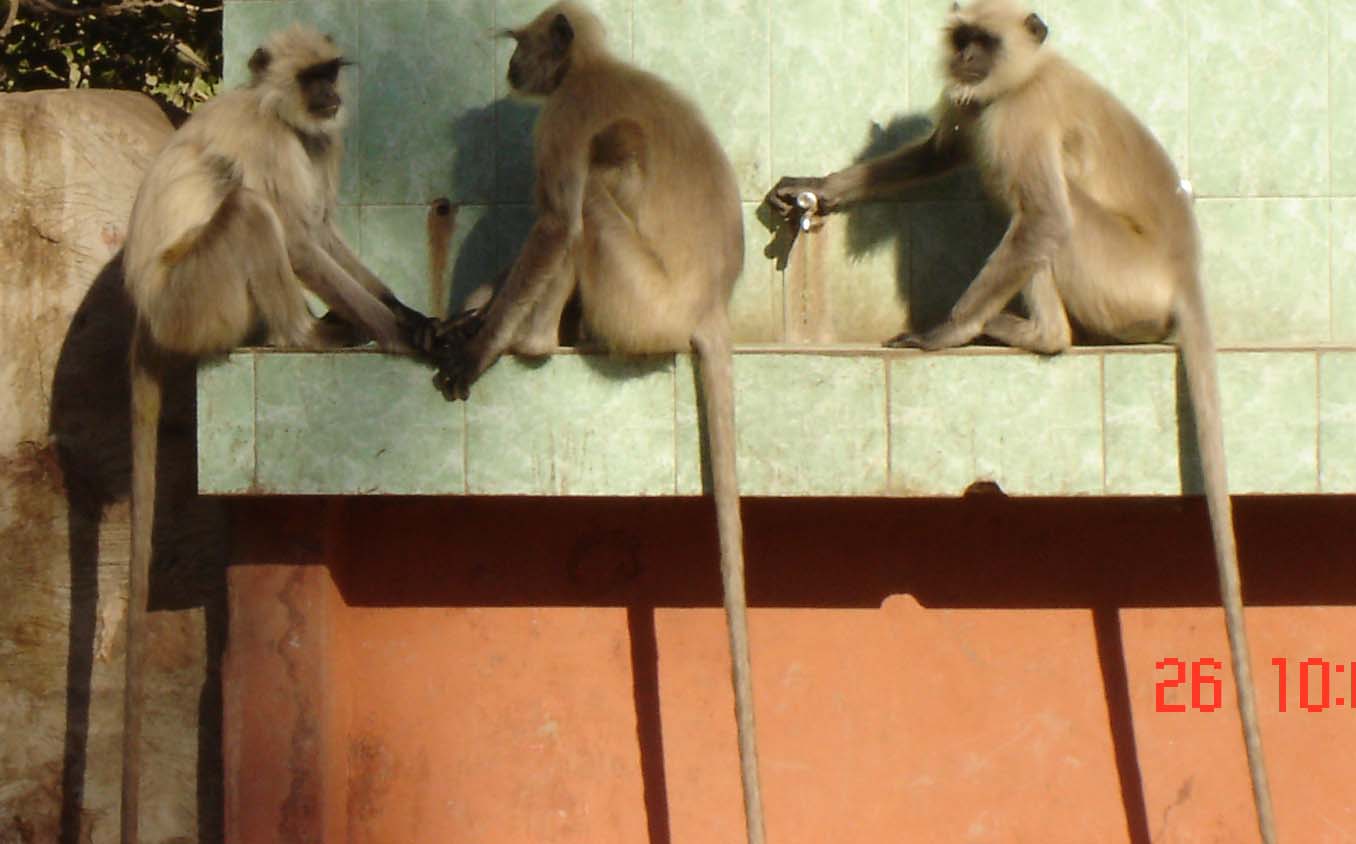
542 57
974 50
320 88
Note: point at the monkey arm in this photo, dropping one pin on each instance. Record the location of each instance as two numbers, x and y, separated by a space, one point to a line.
418 329
329 280
938 153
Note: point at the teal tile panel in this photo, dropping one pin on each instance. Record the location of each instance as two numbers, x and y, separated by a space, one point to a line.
1344 270
226 425
823 113
572 425
355 423
428 125
1342 97
1270 421
1259 133
1031 425
717 52
1266 269
862 259
1143 438
949 243
805 425
1337 422
396 248
756 306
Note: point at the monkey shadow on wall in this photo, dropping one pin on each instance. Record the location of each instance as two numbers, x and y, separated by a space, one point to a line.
90 423
940 231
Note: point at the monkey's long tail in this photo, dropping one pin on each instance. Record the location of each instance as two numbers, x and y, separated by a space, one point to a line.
146 401
715 363
1198 353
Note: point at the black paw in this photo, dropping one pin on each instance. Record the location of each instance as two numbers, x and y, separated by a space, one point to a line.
456 372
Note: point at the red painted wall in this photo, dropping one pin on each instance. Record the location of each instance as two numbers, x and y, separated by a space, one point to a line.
982 670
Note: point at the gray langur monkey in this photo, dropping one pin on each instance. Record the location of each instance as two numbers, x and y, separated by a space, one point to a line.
233 221
1102 234
639 211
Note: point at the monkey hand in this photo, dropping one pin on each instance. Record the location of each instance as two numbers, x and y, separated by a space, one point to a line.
786 197
944 336
456 370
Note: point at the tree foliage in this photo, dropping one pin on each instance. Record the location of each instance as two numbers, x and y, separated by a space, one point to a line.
169 49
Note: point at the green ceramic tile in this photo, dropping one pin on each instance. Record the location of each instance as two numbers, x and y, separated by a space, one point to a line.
823 114
515 116
1259 133
1145 454
860 259
1266 267
924 39
1337 422
353 424
756 314
1138 50
226 425
1032 425
572 425
1342 98
428 86
1270 421
949 243
805 425
1344 270
247 25
396 248
717 51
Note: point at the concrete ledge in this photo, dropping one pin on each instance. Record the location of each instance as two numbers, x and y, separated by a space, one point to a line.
820 421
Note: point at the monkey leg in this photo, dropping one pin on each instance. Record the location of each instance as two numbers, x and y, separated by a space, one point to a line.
259 249
540 332
1046 331
1023 253
630 302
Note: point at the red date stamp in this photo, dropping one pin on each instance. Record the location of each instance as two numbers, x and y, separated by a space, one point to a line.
1315 685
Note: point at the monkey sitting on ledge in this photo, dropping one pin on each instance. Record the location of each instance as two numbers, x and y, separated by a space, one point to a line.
1102 235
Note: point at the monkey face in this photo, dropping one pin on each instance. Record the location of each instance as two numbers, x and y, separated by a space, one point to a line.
542 57
973 53
319 86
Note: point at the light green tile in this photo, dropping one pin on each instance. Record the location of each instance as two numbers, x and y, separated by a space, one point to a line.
717 52
804 424
756 307
1344 270
1342 101
353 424
924 40
428 88
572 425
1270 421
395 244
1266 267
1138 50
1337 422
245 26
226 425
861 261
1259 133
1032 425
949 243
1145 452
821 53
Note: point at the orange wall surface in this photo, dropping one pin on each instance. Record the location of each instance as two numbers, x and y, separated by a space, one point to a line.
496 671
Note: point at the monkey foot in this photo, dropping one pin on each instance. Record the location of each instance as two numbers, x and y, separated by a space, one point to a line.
447 350
908 340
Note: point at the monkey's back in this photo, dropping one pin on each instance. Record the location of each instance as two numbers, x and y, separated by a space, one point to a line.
689 208
1107 152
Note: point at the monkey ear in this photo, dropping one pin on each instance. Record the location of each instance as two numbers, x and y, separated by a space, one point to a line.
955 7
1037 27
562 34
259 61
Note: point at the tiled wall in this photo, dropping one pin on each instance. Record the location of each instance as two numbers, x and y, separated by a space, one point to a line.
1254 99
